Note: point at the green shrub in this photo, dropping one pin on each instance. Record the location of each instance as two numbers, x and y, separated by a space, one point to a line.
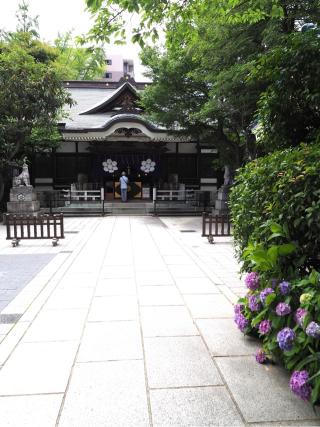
283 189
285 313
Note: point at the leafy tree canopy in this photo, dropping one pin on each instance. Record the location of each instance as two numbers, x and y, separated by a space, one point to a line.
110 15
76 62
32 97
224 66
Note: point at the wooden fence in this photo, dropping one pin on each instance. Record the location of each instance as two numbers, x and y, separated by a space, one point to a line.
215 225
34 227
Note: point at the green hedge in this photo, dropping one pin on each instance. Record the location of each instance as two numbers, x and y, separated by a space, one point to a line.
281 188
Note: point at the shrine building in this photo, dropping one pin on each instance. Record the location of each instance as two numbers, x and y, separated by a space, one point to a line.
107 132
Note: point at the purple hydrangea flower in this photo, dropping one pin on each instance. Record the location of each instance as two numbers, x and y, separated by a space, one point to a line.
260 355
241 321
264 327
283 309
274 283
252 281
254 304
284 288
299 385
300 315
313 330
264 294
285 339
238 308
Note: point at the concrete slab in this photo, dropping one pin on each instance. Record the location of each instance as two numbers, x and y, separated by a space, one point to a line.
166 321
57 325
106 394
146 278
209 306
208 406
196 285
159 295
113 308
179 362
36 368
262 392
185 271
103 341
109 287
224 339
30 411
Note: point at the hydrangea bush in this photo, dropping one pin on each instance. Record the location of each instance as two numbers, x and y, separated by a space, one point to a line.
285 313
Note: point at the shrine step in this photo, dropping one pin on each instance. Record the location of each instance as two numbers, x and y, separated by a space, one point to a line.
129 208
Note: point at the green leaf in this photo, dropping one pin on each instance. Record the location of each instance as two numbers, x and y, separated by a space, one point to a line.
276 228
258 318
312 358
273 253
314 277
275 235
287 249
270 298
315 391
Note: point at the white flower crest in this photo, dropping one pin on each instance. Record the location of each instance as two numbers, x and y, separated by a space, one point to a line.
110 166
148 166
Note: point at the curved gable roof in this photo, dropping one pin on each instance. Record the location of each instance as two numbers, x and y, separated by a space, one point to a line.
108 103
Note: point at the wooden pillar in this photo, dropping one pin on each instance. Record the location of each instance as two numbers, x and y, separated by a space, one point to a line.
76 146
177 158
54 167
198 161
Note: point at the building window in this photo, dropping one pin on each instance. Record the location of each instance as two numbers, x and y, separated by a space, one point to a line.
108 75
109 61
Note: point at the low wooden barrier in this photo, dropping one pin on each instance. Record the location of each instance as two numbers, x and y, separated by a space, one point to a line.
215 225
34 227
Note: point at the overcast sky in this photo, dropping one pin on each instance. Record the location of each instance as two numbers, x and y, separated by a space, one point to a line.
61 16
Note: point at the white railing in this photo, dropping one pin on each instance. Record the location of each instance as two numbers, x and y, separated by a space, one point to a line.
86 195
172 195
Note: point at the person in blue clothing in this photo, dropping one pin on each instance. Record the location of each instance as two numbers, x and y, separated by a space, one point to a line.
124 181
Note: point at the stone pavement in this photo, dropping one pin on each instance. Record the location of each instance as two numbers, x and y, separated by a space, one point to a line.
129 323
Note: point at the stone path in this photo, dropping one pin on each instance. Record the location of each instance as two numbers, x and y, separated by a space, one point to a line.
130 324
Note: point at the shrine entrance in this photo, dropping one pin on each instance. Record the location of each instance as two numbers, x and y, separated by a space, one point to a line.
142 165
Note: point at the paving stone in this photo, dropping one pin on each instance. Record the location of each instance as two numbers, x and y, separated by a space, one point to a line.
30 411
108 287
167 321
207 406
224 339
104 341
196 285
113 308
179 361
185 271
77 280
209 306
118 271
11 340
36 368
154 279
177 260
261 391
106 394
112 260
68 299
57 325
159 295
152 267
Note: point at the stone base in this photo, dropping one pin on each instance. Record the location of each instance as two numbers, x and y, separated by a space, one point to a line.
21 208
23 194
221 205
